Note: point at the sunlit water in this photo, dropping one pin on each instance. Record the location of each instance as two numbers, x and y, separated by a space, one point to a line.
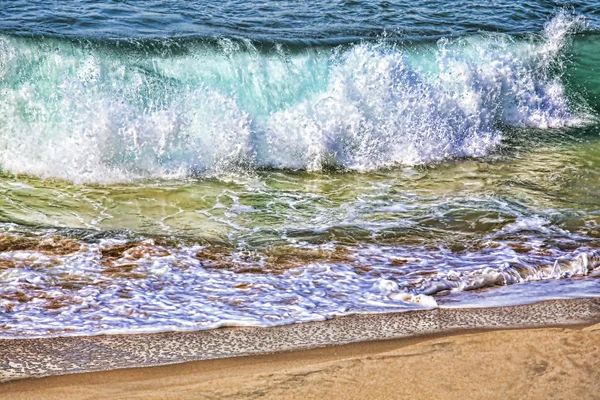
263 175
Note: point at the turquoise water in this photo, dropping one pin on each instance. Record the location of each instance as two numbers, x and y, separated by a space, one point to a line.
194 166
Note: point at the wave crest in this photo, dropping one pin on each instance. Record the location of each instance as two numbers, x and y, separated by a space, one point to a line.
92 114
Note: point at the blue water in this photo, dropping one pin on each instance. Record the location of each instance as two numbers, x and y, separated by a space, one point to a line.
282 21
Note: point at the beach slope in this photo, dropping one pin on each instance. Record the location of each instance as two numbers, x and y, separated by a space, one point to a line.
544 363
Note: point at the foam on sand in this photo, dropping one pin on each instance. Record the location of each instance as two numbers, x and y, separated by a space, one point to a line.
26 358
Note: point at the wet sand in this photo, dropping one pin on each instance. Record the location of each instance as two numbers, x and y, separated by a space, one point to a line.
560 362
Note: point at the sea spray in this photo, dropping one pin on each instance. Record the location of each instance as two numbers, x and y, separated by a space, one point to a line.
90 112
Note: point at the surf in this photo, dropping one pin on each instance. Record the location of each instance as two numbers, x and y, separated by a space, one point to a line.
104 112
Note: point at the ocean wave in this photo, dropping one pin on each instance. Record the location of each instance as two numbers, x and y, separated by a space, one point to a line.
102 114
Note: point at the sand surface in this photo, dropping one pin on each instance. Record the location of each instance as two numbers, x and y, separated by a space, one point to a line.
544 363
40 357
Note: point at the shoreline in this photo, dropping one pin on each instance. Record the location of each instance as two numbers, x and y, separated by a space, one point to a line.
36 358
519 363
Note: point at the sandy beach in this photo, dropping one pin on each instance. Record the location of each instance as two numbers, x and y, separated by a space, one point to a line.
557 363
537 351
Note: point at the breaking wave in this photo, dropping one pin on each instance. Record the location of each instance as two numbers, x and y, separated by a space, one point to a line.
98 112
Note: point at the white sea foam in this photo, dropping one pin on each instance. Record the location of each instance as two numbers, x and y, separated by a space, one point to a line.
100 115
154 288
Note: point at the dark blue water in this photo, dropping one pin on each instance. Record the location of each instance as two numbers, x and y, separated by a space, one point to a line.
282 20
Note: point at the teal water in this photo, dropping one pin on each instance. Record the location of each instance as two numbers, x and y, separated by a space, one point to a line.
189 167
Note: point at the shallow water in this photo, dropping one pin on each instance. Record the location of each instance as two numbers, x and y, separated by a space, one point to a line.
176 174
